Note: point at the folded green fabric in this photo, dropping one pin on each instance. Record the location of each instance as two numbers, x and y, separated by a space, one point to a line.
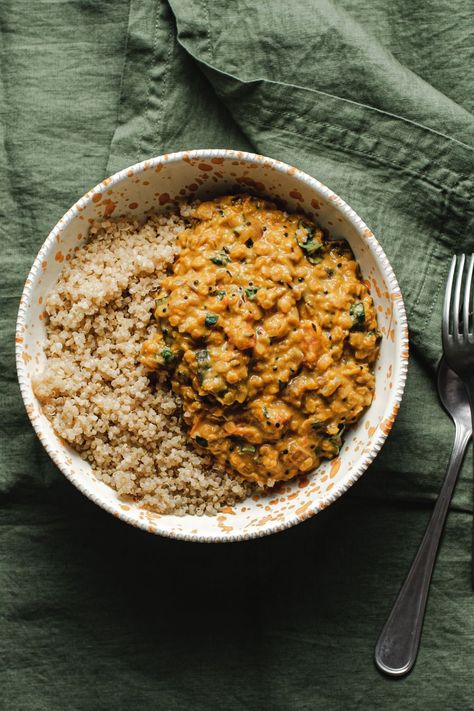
374 99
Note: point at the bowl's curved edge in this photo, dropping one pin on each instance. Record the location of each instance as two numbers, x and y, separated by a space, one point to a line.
385 266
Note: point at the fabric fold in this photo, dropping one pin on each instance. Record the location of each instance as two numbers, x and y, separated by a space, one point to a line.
373 98
165 101
333 48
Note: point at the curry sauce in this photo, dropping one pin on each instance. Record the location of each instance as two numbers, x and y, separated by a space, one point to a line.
269 335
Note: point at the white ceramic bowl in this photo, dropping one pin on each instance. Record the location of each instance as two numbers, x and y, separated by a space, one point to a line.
153 185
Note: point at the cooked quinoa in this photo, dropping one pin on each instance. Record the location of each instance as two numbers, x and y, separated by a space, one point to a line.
94 390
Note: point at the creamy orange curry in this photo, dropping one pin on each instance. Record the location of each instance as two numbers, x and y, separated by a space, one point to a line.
270 337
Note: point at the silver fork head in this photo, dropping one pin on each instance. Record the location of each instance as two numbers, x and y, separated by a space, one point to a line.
457 322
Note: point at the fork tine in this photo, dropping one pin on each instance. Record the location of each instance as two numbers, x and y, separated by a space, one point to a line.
457 295
446 321
467 297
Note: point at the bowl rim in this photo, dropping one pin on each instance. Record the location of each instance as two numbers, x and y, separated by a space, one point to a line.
377 252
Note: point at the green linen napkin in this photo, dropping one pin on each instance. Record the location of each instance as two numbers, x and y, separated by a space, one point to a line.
376 100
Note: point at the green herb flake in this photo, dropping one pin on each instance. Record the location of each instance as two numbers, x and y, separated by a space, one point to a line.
336 440
211 320
265 413
309 229
251 291
167 354
309 245
220 259
203 360
220 294
248 448
357 313
203 357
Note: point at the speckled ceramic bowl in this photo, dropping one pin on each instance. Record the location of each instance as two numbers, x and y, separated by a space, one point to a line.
153 185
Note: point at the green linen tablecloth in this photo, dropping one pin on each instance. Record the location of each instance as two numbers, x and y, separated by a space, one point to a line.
376 100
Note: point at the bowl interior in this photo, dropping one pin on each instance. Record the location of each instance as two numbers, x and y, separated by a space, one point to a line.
153 186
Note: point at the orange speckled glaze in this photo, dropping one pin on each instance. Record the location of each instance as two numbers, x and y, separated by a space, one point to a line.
387 424
202 173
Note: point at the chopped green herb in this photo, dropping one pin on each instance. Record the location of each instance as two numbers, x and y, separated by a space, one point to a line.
203 360
251 292
265 413
377 334
221 259
357 312
250 448
211 320
220 294
203 357
308 244
310 229
336 439
201 441
167 354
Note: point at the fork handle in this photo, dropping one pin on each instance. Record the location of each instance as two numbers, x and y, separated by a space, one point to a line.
397 647
470 391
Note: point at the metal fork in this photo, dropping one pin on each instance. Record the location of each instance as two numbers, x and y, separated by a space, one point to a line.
397 646
458 332
458 326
